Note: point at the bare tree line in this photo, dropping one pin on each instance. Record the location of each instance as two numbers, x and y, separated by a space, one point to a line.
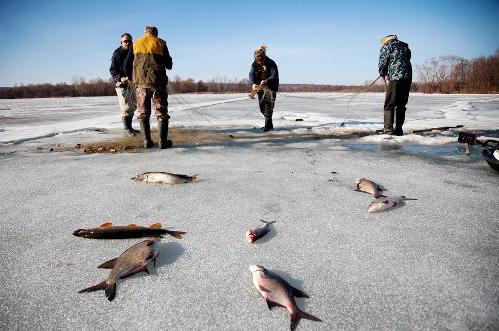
454 74
445 74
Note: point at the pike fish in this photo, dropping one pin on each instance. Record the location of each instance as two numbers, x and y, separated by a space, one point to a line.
130 262
254 234
277 292
164 178
110 231
385 203
368 186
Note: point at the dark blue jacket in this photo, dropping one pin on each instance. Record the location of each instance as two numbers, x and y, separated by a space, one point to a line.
117 68
272 74
395 61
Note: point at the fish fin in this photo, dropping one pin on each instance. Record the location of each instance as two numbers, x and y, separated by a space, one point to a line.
272 304
156 226
263 289
146 270
298 293
103 225
108 264
267 222
109 289
298 315
176 234
133 225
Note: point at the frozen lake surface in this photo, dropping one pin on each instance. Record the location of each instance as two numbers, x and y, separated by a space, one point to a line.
431 264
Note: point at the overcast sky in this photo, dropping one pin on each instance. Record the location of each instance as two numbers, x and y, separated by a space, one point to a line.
322 42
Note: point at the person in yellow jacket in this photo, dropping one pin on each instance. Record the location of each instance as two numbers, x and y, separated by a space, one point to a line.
145 65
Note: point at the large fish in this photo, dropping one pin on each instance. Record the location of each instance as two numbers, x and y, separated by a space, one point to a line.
254 234
277 292
164 178
109 231
130 262
385 203
368 186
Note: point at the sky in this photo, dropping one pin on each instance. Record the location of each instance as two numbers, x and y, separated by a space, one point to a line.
319 42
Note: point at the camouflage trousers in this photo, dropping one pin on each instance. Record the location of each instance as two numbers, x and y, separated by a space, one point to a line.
266 100
157 97
126 99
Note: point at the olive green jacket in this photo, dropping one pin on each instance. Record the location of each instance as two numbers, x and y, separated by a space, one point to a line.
147 61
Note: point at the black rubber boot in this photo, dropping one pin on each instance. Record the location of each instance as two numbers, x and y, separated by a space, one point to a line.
268 124
399 121
163 134
146 131
127 127
388 120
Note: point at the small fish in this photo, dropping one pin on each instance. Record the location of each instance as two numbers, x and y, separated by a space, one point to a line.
385 203
164 178
109 231
277 292
254 234
368 186
130 262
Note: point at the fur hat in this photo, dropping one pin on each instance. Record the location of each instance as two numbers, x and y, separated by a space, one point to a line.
262 50
386 39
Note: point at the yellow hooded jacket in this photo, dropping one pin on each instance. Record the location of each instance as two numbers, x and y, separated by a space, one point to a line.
149 57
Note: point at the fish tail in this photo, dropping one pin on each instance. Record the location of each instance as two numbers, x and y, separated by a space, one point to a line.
193 177
109 289
176 234
298 315
267 222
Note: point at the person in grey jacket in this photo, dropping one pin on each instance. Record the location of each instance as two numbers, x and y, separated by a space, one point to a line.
395 67
125 93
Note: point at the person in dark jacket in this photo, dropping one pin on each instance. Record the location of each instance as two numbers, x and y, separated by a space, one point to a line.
395 66
146 63
126 96
265 78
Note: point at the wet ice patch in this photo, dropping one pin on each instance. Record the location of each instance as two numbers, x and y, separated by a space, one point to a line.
408 139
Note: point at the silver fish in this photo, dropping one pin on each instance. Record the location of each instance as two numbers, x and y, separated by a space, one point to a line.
277 292
385 203
368 186
130 262
164 178
254 234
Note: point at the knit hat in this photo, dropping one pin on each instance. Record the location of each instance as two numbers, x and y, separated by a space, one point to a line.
386 39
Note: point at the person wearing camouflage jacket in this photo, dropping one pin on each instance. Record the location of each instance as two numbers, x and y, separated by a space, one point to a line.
146 63
395 66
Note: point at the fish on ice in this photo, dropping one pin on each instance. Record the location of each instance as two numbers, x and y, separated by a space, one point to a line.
386 203
254 234
130 262
277 292
368 186
110 231
164 178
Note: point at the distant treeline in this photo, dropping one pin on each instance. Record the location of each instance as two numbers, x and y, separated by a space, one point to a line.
454 74
445 74
100 87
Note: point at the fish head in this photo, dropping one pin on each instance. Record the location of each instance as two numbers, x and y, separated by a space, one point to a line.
357 183
256 268
154 246
83 233
250 236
